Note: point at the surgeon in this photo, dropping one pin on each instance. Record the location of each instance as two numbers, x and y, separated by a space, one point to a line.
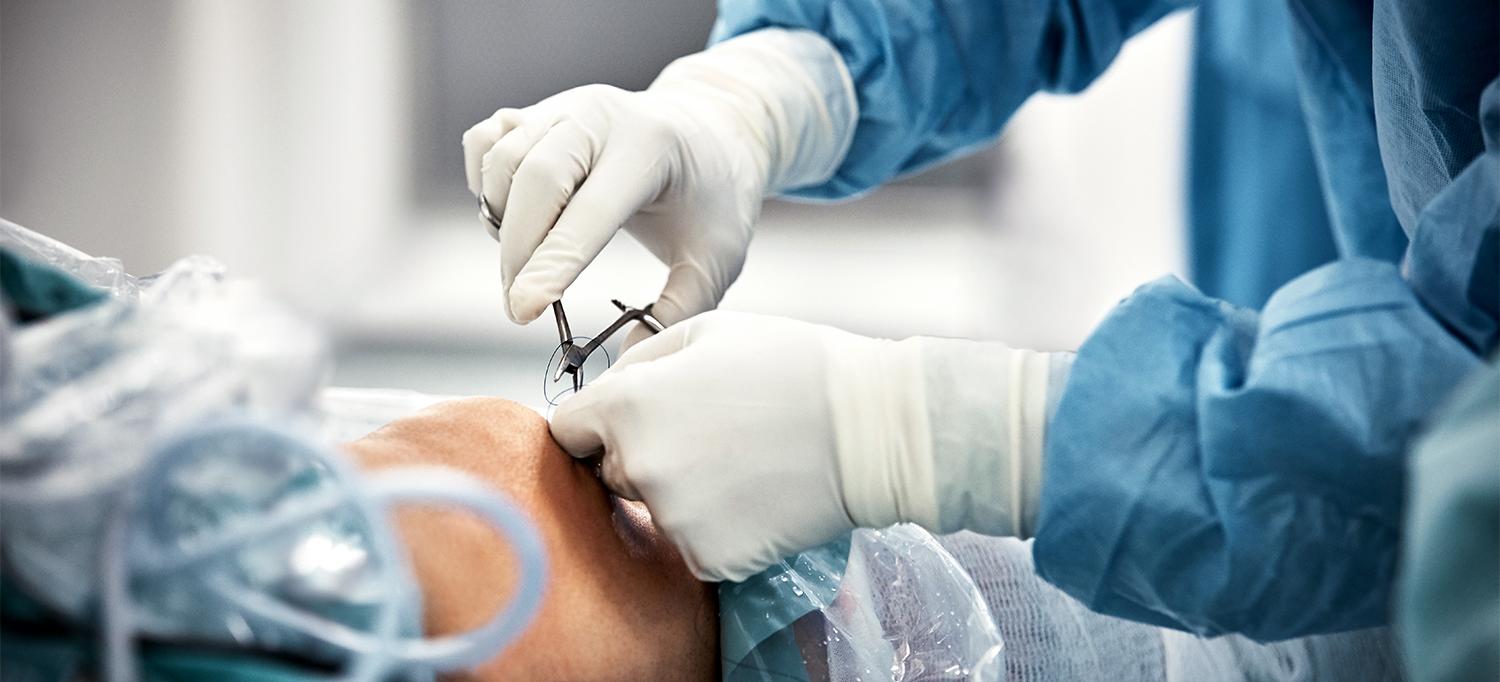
1197 464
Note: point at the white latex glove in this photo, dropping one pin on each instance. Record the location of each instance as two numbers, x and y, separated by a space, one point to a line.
751 438
685 162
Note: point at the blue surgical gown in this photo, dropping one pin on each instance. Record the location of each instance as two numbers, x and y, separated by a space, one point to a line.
1449 587
1211 467
1247 142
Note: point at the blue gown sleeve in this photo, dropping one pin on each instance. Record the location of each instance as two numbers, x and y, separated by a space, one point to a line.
936 77
1215 469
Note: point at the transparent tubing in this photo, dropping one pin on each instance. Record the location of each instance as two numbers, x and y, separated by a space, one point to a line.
374 652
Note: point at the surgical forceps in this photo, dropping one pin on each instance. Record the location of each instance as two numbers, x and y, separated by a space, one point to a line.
574 355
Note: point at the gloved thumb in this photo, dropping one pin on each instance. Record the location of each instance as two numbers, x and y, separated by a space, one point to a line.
691 289
582 426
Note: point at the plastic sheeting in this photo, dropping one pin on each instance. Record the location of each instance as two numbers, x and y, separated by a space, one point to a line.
162 476
1049 636
901 604
881 604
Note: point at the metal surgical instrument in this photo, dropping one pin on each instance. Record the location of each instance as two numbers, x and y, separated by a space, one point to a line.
573 354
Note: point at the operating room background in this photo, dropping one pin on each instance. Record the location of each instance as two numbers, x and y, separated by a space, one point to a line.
315 146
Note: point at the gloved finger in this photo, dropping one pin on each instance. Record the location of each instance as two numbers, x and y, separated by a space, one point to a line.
654 347
691 289
478 140
612 472
497 168
581 428
616 187
541 187
576 426
637 333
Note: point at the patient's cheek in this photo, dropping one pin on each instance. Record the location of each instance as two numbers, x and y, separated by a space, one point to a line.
466 571
619 604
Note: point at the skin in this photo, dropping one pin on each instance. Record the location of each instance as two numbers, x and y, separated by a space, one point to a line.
620 604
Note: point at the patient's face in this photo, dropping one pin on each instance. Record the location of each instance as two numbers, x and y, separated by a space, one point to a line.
620 604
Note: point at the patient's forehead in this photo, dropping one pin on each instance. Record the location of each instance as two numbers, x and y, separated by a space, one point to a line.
505 442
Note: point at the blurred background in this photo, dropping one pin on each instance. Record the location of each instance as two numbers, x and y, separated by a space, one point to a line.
315 146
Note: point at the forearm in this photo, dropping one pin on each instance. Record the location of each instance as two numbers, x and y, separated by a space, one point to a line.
933 78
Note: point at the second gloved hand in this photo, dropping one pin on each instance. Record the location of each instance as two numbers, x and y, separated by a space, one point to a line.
751 438
682 165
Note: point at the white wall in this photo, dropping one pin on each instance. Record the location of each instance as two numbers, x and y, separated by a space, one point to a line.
85 124
1090 201
268 134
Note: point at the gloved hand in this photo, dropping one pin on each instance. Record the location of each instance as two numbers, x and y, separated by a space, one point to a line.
685 162
751 438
